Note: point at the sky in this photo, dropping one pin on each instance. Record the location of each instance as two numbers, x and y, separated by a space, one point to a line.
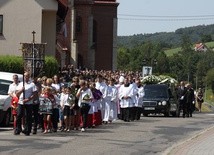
151 16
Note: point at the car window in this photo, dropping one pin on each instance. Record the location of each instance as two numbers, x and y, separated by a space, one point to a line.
156 92
4 86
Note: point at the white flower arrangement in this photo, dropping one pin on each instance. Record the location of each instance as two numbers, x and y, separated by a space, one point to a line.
152 79
167 80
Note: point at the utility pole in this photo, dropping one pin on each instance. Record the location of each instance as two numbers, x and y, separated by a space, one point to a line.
33 50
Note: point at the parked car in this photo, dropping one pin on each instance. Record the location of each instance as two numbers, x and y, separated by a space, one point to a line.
6 79
160 99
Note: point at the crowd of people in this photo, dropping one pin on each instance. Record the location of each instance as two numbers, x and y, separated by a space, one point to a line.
81 99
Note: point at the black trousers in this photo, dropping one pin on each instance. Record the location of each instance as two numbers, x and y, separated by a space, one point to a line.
35 111
84 109
127 114
133 112
55 118
138 113
24 109
122 113
189 109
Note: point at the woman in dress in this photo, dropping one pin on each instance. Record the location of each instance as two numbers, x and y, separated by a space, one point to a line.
200 98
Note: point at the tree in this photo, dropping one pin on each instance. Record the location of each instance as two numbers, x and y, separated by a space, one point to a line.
206 38
186 44
176 66
162 63
210 79
123 58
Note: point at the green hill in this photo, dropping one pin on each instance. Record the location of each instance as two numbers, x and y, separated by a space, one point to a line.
170 52
210 44
168 39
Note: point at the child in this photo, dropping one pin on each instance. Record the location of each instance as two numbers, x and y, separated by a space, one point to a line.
61 117
47 115
55 115
66 106
14 105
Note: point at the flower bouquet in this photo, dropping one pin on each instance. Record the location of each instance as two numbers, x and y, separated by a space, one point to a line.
86 98
71 100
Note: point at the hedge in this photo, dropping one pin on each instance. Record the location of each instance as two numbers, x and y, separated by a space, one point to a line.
14 64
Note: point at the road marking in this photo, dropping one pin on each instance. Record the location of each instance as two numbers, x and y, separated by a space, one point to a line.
61 139
5 133
210 114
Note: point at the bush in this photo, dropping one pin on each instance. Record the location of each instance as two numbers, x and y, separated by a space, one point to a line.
51 66
14 64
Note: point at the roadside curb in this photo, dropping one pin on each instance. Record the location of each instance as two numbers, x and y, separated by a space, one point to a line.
174 146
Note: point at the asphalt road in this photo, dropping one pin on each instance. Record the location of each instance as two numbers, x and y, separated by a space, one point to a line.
150 135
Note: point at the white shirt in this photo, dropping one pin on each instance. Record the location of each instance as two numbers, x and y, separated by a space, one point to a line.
12 88
57 86
64 100
30 88
82 94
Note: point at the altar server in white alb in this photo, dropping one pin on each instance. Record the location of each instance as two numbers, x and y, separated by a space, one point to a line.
133 109
139 103
102 86
114 100
126 93
107 103
118 86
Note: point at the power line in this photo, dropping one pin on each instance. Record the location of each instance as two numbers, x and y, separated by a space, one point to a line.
149 16
168 19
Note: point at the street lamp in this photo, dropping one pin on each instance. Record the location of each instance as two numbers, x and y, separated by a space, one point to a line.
150 62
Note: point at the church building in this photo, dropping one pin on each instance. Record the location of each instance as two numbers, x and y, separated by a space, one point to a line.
87 33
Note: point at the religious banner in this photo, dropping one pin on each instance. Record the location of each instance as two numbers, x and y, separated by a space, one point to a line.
34 58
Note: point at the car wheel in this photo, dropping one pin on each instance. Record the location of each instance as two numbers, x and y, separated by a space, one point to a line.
7 118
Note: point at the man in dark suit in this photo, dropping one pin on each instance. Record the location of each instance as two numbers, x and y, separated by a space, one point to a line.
190 100
181 93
